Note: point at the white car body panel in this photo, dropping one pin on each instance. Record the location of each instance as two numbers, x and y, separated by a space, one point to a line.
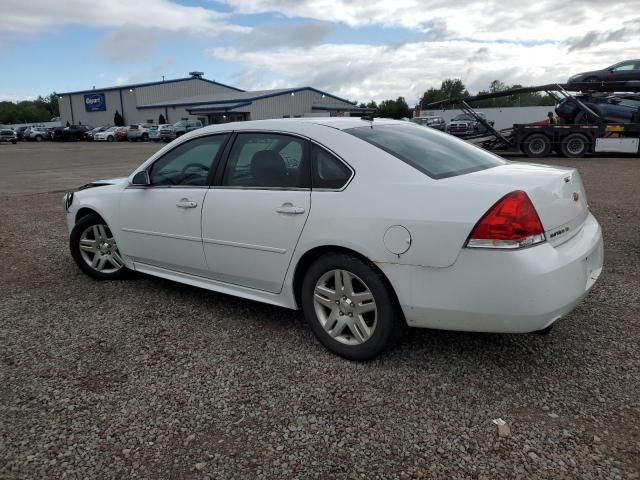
247 242
242 246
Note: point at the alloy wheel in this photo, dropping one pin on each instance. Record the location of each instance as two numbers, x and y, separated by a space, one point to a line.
99 250
345 307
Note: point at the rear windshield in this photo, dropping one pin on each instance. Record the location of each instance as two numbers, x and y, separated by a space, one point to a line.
436 154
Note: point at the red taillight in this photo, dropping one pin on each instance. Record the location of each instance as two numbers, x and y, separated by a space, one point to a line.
511 223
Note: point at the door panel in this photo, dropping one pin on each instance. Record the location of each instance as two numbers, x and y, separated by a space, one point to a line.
160 222
161 227
246 240
252 222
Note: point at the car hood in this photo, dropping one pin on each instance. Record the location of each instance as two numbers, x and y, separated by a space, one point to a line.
102 183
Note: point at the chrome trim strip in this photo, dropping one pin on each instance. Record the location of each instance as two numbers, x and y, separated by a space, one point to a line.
245 245
159 234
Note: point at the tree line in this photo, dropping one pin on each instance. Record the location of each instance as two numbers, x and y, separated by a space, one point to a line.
42 109
454 88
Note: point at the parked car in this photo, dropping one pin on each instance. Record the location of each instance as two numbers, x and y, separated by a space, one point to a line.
463 125
37 134
121 134
167 132
186 126
138 132
20 132
56 133
462 239
8 135
75 132
620 72
107 135
438 123
624 108
90 134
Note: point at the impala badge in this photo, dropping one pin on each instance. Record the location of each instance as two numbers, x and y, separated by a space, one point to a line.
576 196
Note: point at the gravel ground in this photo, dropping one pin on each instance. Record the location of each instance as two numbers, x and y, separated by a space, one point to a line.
147 378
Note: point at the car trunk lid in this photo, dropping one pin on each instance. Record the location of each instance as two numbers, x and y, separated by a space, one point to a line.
556 193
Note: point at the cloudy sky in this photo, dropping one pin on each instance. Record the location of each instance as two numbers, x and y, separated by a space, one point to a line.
358 49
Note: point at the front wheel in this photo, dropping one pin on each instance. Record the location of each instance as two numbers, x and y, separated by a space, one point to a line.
110 138
95 250
350 306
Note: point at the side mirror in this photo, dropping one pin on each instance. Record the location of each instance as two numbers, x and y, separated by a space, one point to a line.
141 178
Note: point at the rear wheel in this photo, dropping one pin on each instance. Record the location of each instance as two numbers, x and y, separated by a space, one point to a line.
575 145
536 145
38 138
94 249
110 138
350 306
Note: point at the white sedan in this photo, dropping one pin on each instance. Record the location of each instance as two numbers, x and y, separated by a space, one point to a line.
368 226
108 135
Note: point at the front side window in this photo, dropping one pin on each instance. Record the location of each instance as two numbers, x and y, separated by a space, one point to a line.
189 163
427 150
328 171
625 67
267 160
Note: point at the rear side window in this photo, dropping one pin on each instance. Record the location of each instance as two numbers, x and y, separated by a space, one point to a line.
328 171
435 154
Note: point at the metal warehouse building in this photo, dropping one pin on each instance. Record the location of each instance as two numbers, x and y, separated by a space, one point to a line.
196 98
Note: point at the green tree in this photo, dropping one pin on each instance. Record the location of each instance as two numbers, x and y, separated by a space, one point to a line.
161 120
394 109
453 88
118 121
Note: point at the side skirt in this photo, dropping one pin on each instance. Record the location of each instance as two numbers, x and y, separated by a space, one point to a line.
229 289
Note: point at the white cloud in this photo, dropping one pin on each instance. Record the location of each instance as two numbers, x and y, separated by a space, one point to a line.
487 20
35 16
14 97
364 72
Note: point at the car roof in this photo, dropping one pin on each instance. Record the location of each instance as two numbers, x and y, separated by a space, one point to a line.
291 124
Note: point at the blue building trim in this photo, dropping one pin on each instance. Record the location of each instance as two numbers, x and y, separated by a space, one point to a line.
206 108
252 99
149 84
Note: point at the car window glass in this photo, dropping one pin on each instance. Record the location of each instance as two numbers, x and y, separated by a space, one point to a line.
328 171
624 67
189 163
434 154
266 160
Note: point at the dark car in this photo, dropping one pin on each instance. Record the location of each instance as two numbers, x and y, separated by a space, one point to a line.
20 132
611 108
75 132
56 133
8 135
463 125
620 72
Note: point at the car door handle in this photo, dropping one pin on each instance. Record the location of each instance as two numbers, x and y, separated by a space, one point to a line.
186 203
289 209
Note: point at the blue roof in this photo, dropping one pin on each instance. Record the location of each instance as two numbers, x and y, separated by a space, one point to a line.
149 84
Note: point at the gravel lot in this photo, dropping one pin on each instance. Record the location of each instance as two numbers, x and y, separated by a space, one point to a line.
151 379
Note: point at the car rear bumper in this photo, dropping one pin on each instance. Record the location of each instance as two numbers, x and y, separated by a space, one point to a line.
497 291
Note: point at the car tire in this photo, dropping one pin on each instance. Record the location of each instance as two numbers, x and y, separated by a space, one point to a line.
536 145
14 141
145 137
38 138
94 249
110 138
335 315
575 145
